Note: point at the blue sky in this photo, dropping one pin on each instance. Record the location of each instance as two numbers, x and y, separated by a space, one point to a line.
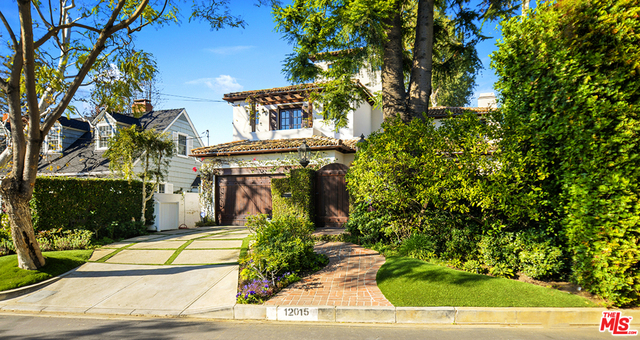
197 65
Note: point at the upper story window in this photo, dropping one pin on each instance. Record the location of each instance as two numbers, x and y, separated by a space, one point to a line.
104 134
53 141
183 144
291 119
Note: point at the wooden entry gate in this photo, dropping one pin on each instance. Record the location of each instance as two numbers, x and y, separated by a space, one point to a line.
332 197
242 195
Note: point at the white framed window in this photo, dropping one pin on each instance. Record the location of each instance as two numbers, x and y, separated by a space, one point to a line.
104 134
53 140
165 188
183 144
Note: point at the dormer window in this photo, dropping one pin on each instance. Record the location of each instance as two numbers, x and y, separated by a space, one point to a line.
53 141
104 134
290 119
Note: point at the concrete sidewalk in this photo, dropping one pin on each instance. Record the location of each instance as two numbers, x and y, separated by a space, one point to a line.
164 274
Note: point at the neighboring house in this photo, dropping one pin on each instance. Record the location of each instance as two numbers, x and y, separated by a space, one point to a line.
268 127
75 147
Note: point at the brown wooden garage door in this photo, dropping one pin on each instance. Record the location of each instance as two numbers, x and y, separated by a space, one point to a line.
240 196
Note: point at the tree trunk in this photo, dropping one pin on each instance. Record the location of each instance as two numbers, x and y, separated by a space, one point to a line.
394 99
24 239
420 83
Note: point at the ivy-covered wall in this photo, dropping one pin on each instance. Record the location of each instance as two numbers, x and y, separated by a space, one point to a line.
92 204
294 195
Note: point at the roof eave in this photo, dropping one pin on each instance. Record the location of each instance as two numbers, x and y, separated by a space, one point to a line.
341 148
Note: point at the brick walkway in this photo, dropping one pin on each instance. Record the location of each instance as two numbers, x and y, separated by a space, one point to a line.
348 280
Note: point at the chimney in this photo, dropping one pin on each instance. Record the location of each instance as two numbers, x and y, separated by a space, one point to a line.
487 100
141 106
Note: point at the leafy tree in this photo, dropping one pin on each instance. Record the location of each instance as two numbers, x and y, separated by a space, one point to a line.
455 66
151 149
56 49
412 168
570 95
394 37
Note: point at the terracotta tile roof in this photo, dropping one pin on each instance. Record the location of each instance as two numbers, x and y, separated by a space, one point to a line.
445 111
287 94
275 146
236 96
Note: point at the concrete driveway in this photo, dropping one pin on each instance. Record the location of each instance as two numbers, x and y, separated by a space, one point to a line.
182 272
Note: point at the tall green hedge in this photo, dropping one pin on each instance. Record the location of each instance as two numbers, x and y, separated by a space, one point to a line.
569 76
91 204
300 185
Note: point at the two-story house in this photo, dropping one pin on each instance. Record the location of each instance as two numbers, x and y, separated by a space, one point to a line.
268 127
75 147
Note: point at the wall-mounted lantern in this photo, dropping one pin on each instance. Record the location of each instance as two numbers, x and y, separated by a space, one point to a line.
303 154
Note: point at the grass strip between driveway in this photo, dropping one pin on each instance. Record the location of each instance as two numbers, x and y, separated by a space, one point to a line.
177 252
57 262
408 282
114 253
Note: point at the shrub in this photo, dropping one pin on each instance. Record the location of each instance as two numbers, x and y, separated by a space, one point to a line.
530 252
502 270
54 240
499 249
127 229
6 246
474 266
407 171
418 246
365 224
282 245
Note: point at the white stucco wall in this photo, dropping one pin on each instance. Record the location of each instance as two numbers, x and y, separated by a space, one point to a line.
279 159
242 126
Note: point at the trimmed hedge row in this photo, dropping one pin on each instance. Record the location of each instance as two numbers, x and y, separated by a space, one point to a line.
89 204
568 74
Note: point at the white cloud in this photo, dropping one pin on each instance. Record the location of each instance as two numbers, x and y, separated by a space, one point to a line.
228 50
222 84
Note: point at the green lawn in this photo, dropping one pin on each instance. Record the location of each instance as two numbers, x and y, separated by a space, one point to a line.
58 262
408 282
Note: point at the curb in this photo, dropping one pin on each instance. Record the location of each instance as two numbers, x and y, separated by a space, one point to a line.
10 294
504 316
442 316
